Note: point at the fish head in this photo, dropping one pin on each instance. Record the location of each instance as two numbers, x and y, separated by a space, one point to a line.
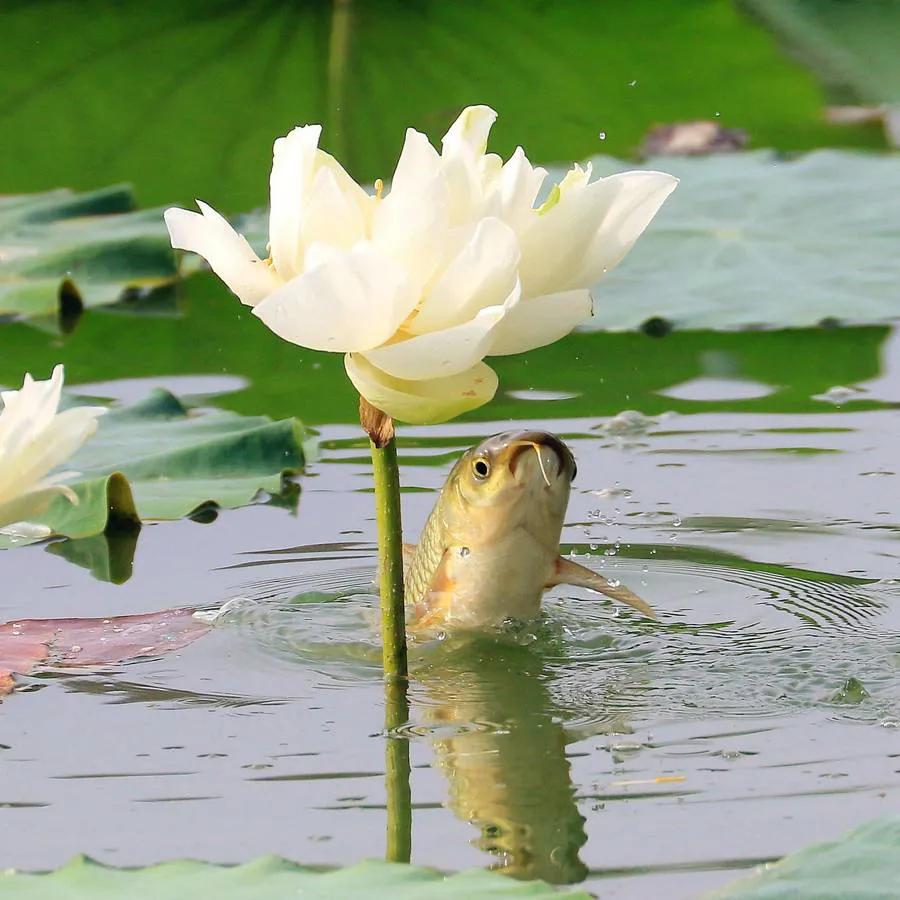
513 479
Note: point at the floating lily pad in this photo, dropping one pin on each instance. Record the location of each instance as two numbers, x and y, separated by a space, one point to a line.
751 239
863 865
267 878
161 460
61 251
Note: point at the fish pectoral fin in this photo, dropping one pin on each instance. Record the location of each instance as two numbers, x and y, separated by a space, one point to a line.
567 572
431 616
437 600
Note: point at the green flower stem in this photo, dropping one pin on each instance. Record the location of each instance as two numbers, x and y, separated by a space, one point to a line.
398 844
380 429
390 560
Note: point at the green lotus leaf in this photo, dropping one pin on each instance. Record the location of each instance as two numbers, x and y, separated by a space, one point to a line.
267 878
851 46
159 459
105 107
751 239
62 251
863 865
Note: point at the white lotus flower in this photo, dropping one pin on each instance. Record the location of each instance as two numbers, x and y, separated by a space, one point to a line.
418 286
34 440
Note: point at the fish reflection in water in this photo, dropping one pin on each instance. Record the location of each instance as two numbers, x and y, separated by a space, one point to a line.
496 739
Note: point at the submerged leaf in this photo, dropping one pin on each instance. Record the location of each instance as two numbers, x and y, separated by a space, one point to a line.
268 878
851 692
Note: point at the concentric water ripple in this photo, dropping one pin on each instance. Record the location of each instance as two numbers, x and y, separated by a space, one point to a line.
733 638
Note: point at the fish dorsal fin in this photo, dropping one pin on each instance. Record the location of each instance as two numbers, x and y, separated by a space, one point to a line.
409 554
565 571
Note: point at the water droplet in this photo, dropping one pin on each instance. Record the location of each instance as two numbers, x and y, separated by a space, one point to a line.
464 551
602 135
632 83
75 648
839 394
593 546
676 521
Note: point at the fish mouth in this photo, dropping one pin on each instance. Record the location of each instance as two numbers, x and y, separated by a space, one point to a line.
519 442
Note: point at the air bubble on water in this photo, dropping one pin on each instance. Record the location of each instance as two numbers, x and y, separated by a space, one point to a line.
216 616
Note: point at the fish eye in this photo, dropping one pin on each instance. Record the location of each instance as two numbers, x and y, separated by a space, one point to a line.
481 468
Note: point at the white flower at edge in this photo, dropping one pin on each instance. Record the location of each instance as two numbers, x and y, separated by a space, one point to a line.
34 440
418 286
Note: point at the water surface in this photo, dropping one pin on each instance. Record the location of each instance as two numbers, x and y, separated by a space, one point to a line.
756 510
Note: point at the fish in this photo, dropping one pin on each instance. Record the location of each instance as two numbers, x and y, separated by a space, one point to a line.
490 547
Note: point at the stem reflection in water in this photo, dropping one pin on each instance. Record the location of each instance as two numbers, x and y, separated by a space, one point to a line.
502 749
398 846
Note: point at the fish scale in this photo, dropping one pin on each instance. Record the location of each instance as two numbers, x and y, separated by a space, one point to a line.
429 551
